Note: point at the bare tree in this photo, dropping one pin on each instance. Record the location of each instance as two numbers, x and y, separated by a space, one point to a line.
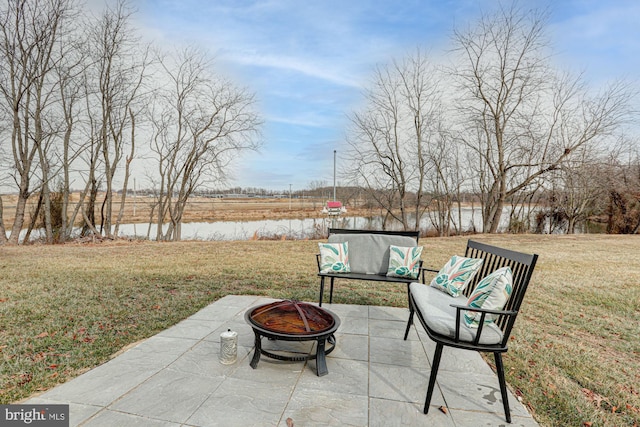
623 187
388 141
445 179
118 72
578 188
29 33
200 122
524 117
70 75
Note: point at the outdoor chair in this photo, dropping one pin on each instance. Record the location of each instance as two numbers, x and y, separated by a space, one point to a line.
442 315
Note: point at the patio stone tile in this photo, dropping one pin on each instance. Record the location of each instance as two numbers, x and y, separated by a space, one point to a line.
353 347
419 330
309 407
204 359
346 310
219 312
270 371
398 352
487 419
241 300
112 418
385 413
246 337
389 329
354 325
242 403
402 384
115 379
476 393
458 360
345 376
389 313
169 395
163 349
78 412
191 328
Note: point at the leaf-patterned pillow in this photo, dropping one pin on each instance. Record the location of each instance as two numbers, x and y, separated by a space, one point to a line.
491 293
404 261
334 257
456 274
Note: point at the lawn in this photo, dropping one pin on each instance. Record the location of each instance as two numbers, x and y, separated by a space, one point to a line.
574 357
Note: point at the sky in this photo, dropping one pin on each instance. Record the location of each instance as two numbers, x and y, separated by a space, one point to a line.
308 61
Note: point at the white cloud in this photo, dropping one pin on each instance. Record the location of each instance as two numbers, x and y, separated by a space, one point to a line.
302 65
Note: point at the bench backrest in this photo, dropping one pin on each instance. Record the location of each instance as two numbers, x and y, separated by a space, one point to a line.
369 249
521 265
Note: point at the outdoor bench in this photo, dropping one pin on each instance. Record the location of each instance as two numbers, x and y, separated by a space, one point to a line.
368 253
472 304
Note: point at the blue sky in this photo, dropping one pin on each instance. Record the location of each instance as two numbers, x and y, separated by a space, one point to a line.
309 60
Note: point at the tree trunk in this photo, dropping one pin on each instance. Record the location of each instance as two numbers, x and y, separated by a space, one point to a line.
127 173
90 214
3 231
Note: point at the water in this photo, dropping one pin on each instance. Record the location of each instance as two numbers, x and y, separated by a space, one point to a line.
289 228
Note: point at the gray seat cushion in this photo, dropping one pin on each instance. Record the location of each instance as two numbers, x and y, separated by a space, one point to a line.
435 306
369 253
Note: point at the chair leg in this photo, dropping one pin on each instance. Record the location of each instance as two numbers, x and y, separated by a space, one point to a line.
503 385
321 291
432 377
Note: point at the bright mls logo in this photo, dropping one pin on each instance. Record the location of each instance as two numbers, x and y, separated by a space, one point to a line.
34 415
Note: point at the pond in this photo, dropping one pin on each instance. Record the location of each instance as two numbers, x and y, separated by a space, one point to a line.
288 228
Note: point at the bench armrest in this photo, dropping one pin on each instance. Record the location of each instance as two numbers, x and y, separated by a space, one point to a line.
423 271
511 314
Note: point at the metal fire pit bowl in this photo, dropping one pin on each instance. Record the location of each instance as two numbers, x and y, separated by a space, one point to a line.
290 320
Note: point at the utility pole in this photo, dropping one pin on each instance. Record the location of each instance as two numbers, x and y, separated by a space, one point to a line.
334 175
289 196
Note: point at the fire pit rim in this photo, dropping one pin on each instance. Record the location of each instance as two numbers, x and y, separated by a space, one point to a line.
302 335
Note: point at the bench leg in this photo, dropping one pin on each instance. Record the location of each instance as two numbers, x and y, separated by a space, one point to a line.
503 386
331 292
410 321
321 291
411 312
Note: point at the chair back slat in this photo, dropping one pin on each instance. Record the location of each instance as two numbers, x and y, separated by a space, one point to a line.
521 265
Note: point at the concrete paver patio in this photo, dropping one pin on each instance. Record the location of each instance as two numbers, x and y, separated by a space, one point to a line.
375 378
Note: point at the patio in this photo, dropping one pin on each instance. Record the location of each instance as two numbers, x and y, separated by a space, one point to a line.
375 379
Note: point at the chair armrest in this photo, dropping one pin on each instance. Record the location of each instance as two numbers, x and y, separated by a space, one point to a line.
483 314
318 261
482 310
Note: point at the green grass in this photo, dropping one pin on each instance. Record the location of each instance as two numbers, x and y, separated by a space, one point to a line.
574 356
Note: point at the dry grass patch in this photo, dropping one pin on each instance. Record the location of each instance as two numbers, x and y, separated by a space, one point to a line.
574 357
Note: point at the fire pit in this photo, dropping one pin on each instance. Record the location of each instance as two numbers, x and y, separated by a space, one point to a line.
293 321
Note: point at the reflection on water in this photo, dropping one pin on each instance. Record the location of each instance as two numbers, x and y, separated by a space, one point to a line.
289 228
245 230
296 228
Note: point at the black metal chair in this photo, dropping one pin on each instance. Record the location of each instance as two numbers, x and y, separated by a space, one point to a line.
522 266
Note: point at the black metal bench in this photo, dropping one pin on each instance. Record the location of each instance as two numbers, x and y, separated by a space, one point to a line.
445 324
377 247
